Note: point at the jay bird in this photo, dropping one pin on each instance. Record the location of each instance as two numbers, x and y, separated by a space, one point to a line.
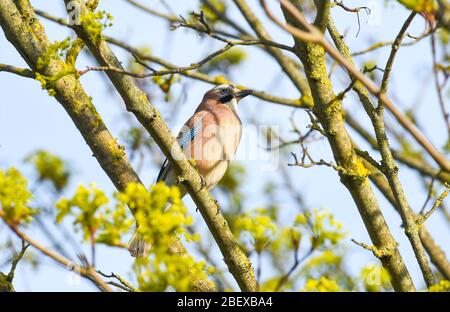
210 137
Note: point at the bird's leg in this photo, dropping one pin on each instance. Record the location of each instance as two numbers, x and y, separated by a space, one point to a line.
202 182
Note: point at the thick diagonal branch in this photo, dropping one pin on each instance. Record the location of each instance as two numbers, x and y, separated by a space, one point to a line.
354 175
389 167
304 30
27 35
136 102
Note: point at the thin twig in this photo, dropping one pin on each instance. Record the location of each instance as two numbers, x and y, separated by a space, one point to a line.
436 205
135 101
123 283
439 88
203 27
24 72
16 260
87 272
285 278
382 44
353 10
312 34
429 194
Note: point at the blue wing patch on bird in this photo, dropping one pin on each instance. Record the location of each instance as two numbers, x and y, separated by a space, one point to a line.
189 135
184 140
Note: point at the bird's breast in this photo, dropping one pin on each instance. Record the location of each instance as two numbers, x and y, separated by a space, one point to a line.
216 145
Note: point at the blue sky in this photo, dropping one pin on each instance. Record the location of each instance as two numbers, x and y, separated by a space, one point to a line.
30 120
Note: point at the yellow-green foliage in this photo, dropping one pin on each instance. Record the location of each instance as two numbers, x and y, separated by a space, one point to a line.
117 150
321 285
231 183
154 219
326 231
375 278
444 36
162 270
256 223
94 23
49 168
357 170
288 238
220 80
73 52
14 197
97 221
442 286
44 85
67 49
58 49
225 61
162 216
425 6
270 284
165 84
322 258
326 258
209 14
54 50
447 146
327 264
84 206
114 224
92 4
232 57
408 150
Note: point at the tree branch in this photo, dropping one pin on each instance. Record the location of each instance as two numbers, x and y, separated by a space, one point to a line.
23 72
314 34
16 260
87 272
327 107
203 27
419 165
136 102
70 93
436 205
437 255
302 102
389 167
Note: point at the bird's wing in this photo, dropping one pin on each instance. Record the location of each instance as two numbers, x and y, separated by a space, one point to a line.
165 169
187 134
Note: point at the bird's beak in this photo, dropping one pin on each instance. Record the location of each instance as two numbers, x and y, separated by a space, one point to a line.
242 94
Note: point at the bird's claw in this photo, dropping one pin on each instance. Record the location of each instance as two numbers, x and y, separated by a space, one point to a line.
218 206
202 182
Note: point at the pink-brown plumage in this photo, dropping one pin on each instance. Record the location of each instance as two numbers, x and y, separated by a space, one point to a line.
210 138
216 144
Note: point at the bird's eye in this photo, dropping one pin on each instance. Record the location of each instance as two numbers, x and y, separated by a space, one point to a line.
224 91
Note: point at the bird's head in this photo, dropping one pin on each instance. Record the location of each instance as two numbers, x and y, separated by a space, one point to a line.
226 94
